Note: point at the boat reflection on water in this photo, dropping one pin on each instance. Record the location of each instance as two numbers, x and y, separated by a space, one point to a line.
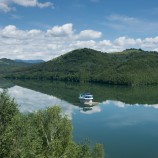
86 108
90 109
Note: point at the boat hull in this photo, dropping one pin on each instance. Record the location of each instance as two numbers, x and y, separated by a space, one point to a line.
85 101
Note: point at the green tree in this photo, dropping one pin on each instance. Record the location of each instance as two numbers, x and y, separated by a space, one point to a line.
21 139
8 109
42 134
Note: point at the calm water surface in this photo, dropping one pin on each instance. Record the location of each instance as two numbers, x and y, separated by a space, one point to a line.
125 120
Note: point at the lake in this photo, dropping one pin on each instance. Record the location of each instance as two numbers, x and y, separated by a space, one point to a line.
125 119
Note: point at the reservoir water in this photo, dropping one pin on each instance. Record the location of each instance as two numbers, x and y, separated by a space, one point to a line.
125 121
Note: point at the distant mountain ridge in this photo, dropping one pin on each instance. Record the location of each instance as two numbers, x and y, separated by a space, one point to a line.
130 67
30 61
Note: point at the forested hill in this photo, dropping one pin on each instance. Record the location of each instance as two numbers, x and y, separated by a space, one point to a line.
130 67
8 66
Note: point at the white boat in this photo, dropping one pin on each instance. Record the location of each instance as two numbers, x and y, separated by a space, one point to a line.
86 98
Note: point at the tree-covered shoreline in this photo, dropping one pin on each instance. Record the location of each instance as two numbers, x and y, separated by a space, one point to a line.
42 134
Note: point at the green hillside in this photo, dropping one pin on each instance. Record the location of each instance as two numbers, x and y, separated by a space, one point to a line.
8 66
130 67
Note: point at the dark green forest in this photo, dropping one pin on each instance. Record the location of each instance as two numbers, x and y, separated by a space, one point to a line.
130 67
42 134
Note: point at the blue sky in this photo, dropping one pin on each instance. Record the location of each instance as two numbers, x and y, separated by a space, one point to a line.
44 29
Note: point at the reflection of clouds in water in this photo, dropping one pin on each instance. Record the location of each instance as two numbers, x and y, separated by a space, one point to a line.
154 106
124 105
94 109
30 101
116 103
130 118
123 116
123 119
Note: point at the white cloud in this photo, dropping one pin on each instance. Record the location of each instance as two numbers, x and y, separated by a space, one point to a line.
6 5
11 31
89 34
48 44
32 3
82 44
66 29
34 32
26 3
105 43
124 41
44 5
151 40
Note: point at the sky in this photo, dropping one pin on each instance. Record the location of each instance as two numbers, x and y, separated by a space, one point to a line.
45 29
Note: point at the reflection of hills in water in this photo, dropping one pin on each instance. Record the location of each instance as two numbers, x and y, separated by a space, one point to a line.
4 84
69 91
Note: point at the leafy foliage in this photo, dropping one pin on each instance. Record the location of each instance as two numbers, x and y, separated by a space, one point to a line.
8 109
42 134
